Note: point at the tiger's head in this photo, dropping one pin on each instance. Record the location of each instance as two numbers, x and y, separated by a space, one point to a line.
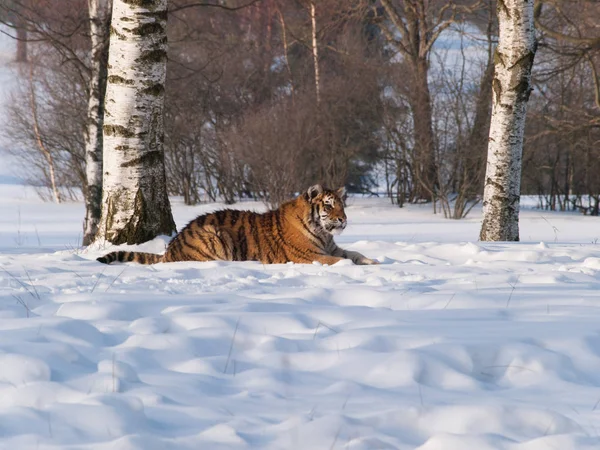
326 209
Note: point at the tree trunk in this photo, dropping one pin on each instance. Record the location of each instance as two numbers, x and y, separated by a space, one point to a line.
423 131
16 13
286 50
21 55
315 50
511 88
99 11
477 141
135 205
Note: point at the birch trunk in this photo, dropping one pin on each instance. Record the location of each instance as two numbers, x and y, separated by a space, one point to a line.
315 50
21 44
99 12
511 88
40 142
135 205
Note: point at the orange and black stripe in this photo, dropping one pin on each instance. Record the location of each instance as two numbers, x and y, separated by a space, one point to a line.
291 233
123 256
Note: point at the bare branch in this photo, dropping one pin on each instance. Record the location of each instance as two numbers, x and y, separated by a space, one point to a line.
398 23
589 43
213 5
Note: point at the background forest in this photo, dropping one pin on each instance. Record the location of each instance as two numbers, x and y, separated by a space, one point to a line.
264 97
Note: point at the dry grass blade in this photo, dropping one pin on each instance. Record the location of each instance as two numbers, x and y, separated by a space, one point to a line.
514 286
37 294
22 302
98 280
115 279
449 300
231 345
21 283
319 324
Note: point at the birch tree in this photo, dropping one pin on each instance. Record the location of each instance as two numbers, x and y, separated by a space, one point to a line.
511 87
99 11
48 157
135 205
315 49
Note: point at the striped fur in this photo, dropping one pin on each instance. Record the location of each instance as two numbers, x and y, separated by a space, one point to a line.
300 231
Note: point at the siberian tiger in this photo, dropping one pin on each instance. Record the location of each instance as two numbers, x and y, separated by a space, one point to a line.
300 231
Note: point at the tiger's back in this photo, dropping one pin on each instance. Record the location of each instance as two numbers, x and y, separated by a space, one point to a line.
298 231
231 235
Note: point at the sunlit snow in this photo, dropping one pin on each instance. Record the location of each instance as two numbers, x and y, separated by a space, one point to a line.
448 344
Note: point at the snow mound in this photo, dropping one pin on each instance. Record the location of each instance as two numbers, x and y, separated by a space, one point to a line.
449 344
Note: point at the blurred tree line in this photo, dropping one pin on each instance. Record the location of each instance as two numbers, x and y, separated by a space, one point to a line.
265 97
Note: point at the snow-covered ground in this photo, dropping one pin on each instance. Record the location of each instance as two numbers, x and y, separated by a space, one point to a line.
449 344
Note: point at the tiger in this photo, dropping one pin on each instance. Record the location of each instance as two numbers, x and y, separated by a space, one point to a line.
301 231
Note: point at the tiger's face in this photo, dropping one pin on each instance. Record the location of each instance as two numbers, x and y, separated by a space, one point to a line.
327 209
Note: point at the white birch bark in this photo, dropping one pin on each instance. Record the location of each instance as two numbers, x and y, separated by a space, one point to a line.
286 49
135 205
315 49
99 13
511 88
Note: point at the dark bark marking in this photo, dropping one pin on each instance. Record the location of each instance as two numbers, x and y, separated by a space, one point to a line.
117 130
153 56
116 79
155 90
147 159
148 28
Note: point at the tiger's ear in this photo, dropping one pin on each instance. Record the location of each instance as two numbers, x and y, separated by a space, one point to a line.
341 192
313 191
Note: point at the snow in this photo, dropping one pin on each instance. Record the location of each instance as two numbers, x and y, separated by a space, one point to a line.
449 344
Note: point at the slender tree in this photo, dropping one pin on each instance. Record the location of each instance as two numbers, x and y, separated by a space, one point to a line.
511 87
135 205
99 11
21 30
412 28
315 49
